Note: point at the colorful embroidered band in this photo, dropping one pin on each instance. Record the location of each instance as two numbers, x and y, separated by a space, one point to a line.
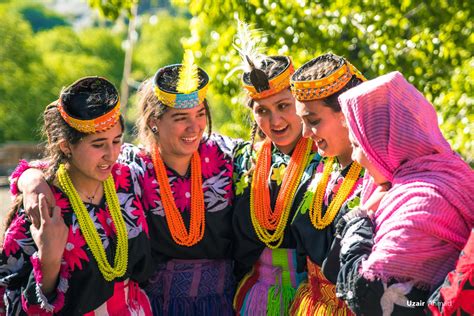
181 100
322 88
176 99
99 124
277 84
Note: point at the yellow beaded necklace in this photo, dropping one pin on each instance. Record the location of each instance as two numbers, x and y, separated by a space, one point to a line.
88 228
316 207
269 225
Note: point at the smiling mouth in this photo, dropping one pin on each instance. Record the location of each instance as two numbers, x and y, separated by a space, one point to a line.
319 142
104 167
279 130
189 139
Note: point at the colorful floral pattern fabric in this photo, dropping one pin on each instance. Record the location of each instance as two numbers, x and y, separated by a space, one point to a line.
313 242
456 295
248 247
216 165
84 286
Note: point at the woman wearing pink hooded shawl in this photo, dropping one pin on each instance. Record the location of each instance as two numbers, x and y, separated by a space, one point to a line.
391 261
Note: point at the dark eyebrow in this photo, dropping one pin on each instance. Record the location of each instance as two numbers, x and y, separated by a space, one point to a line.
179 114
284 99
103 138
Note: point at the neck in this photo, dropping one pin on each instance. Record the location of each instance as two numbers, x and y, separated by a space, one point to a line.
89 189
287 149
178 163
345 158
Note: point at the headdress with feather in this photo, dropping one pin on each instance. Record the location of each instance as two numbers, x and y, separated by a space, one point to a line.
183 85
250 45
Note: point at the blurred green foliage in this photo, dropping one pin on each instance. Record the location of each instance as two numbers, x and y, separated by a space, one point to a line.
113 8
39 17
430 42
34 67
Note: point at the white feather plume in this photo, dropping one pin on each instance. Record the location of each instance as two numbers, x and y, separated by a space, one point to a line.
250 43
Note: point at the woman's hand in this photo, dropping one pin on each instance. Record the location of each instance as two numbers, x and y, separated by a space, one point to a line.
372 204
50 238
32 184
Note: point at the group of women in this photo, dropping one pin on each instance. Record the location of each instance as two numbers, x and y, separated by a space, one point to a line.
349 202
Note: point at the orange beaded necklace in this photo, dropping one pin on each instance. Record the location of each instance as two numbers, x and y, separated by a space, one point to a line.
173 217
270 224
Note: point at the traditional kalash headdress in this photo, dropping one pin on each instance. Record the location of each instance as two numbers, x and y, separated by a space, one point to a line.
324 87
181 86
249 44
90 105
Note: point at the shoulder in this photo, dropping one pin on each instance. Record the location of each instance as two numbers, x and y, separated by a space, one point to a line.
135 157
225 144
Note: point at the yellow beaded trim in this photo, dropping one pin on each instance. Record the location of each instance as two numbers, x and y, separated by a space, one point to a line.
322 88
99 124
277 84
88 228
316 207
181 100
261 204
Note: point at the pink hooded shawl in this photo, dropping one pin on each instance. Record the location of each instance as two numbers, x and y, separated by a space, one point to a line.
425 219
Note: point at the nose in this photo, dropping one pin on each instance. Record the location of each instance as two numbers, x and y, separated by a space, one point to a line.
193 125
111 152
276 120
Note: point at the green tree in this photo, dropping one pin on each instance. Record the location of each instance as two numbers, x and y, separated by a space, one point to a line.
158 43
430 42
39 17
69 55
23 83
35 66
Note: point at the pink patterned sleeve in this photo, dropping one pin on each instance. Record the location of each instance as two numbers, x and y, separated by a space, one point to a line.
38 303
23 165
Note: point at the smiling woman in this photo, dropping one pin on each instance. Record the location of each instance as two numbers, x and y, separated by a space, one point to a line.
61 263
271 177
336 183
186 177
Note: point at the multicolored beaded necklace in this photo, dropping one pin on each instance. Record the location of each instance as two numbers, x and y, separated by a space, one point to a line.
270 224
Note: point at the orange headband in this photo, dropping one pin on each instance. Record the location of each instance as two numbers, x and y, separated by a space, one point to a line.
277 84
99 124
322 88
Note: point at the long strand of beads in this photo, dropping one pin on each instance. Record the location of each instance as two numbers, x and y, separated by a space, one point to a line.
175 221
269 224
88 228
315 211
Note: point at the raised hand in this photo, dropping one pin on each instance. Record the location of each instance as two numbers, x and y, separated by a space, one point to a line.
50 238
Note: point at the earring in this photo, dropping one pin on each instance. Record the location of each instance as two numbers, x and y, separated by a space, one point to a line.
154 129
68 155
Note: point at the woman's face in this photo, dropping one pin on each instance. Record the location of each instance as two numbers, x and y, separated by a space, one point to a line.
180 131
276 117
93 156
327 128
359 156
